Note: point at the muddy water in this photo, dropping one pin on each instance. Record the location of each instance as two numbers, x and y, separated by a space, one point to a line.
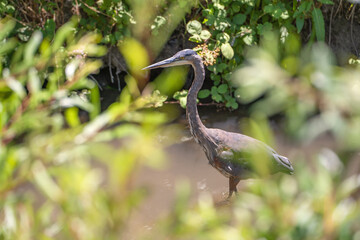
187 161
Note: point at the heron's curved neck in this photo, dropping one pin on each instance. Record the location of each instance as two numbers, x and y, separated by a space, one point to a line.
196 126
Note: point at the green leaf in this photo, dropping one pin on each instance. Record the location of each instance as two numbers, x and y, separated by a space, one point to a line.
217 68
32 46
319 24
72 116
250 3
10 9
45 182
299 23
215 95
227 50
234 105
285 14
217 98
300 9
179 94
264 28
49 28
326 2
277 11
231 102
183 101
239 19
204 93
235 6
62 33
34 84
182 97
210 20
7 46
214 77
221 67
221 13
249 40
223 37
196 38
284 33
227 76
7 26
158 22
205 35
194 27
222 88
221 24
214 90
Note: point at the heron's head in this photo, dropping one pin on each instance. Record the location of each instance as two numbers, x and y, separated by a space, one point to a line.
184 57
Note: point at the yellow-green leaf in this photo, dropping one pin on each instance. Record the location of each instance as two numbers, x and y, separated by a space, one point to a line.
227 50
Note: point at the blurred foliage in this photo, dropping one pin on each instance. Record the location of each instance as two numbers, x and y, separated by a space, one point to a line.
305 85
66 170
60 176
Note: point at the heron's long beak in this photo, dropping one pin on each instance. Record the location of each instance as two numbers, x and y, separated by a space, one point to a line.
167 63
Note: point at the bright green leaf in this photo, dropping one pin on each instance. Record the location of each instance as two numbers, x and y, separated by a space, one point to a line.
194 27
179 94
249 40
196 38
221 24
205 35
183 102
72 116
227 50
223 37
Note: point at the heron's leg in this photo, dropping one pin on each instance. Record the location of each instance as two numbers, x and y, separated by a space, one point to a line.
233 182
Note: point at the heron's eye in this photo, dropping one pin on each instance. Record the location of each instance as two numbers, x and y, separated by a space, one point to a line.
182 58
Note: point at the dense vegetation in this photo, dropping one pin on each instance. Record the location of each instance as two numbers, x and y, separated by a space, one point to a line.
66 167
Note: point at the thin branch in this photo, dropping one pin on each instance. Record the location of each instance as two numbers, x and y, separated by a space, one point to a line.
77 11
351 30
97 83
94 9
118 80
330 24
338 9
110 71
199 104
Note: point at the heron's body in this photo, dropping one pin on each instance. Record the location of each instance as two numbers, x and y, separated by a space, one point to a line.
232 154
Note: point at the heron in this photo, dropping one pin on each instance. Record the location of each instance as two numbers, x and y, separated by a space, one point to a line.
232 154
